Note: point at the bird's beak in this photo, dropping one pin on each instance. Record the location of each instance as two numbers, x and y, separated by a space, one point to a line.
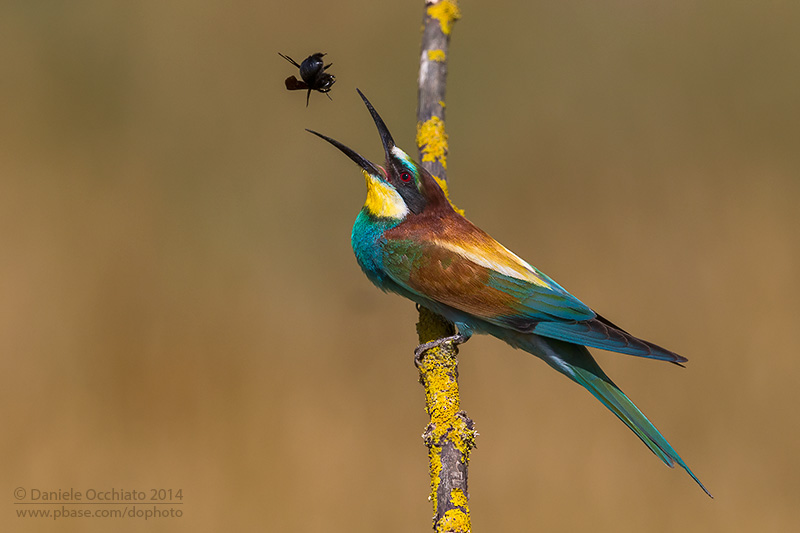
386 139
368 166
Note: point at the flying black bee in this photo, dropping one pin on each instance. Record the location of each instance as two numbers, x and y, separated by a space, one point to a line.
314 76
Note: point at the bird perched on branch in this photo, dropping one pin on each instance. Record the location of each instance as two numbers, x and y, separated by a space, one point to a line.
408 239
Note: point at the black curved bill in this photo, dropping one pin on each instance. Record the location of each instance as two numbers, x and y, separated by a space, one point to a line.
386 137
366 164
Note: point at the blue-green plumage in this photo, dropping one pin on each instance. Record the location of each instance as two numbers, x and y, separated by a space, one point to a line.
366 239
408 239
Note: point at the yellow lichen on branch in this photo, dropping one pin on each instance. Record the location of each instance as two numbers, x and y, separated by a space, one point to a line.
436 55
432 144
446 12
455 520
441 391
450 433
432 140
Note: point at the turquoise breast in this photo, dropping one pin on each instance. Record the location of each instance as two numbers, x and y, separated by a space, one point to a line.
367 242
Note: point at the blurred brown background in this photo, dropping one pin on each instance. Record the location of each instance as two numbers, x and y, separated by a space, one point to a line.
180 308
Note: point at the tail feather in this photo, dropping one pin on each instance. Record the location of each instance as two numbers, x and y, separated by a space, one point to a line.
601 333
575 362
612 397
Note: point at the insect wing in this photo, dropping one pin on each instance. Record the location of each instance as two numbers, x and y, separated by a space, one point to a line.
293 84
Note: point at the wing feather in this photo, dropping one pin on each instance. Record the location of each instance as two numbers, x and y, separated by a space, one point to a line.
463 267
479 276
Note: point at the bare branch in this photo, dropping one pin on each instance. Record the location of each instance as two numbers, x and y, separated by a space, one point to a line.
450 436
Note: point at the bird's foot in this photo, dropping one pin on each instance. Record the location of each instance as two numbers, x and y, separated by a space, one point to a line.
455 340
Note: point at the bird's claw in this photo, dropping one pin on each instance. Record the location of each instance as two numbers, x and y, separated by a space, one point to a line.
455 340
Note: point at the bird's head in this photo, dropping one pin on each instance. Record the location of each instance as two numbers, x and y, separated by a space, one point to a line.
401 187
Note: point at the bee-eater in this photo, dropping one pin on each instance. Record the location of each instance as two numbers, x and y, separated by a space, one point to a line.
409 239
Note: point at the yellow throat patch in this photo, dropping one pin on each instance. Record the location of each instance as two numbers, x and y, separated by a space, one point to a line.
382 200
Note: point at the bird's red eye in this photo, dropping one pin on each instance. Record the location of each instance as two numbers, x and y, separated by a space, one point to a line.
405 176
